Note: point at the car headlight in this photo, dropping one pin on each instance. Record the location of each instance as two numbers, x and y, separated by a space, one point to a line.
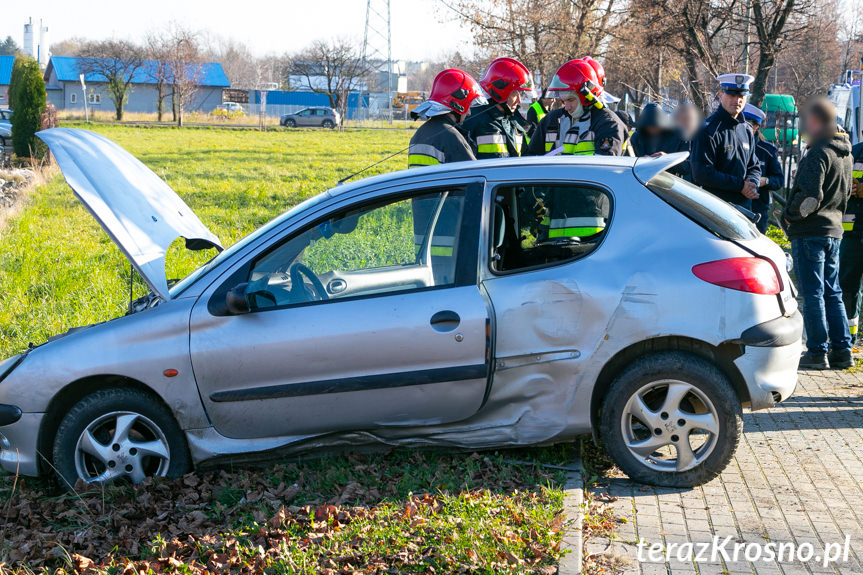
7 365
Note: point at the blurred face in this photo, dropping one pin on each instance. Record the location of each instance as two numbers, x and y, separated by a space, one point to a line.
732 103
814 126
688 120
514 101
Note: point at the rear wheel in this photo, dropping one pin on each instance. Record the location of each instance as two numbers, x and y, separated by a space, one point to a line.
328 124
290 123
119 434
671 419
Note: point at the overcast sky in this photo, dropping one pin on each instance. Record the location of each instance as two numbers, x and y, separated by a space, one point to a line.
421 29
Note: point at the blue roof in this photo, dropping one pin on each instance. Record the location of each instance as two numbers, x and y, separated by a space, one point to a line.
6 69
67 69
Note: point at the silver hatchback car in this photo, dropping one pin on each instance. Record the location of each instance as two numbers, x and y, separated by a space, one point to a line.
472 305
317 116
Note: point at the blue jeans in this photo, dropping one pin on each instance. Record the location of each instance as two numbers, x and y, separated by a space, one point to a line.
816 261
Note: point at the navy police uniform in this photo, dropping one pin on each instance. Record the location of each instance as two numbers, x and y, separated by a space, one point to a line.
851 248
723 151
771 169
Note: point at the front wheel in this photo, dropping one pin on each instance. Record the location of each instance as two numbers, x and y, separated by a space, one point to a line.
290 123
119 433
671 419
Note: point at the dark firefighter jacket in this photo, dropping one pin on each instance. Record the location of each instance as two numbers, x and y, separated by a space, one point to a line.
723 157
497 132
599 131
852 222
820 193
439 141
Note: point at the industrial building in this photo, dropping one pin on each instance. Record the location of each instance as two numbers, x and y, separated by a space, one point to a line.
36 42
5 74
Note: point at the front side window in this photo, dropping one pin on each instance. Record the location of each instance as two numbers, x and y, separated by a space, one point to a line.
405 244
543 224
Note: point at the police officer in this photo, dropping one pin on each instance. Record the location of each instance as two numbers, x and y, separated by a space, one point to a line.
723 157
583 126
772 177
441 139
498 128
851 248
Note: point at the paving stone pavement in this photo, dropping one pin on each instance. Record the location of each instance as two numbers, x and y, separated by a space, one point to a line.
797 477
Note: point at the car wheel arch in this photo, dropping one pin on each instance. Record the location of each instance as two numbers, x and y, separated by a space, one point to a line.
71 394
722 356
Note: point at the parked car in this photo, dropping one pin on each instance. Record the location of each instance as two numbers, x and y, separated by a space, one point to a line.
5 142
5 117
316 116
230 108
472 305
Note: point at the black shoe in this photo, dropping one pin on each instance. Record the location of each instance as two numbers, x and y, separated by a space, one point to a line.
840 359
813 361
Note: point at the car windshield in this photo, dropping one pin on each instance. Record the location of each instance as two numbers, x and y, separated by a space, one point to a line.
702 207
224 255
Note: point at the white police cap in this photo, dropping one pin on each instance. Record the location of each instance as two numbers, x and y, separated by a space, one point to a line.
754 113
735 83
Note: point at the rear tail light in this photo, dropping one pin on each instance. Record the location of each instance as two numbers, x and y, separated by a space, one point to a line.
753 275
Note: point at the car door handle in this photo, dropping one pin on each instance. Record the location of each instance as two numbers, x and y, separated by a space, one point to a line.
445 321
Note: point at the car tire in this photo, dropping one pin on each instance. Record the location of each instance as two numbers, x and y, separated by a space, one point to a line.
119 433
290 123
328 124
662 401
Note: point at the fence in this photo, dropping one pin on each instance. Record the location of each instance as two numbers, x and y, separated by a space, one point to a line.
790 150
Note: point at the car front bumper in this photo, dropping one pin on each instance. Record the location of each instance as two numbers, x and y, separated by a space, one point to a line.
769 362
18 445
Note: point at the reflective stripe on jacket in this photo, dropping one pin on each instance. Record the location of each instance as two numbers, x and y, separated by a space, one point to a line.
439 141
855 204
605 134
498 133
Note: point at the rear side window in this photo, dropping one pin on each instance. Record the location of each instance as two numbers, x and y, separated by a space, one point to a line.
545 224
705 209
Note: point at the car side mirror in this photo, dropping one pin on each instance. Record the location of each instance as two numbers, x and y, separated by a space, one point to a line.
236 301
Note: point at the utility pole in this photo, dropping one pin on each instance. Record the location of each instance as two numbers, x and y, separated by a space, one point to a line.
377 46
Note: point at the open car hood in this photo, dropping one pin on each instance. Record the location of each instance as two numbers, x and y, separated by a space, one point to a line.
140 212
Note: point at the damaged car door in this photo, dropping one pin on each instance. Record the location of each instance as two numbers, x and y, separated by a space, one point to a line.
369 316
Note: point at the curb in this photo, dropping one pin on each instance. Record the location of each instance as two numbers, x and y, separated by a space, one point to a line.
573 508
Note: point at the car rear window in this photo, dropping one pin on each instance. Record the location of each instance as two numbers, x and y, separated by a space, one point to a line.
702 207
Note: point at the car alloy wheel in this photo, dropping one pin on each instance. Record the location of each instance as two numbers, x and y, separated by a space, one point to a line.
670 425
290 124
328 124
122 444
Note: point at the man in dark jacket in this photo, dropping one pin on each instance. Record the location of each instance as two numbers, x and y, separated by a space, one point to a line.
814 216
723 152
498 127
441 139
584 126
655 135
772 177
851 249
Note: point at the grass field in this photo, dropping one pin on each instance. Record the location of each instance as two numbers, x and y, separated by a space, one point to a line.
395 512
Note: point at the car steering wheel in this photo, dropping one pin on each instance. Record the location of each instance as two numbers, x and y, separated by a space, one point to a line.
297 272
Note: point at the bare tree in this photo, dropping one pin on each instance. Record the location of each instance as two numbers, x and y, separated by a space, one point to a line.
158 67
185 68
117 61
236 59
68 47
330 67
542 34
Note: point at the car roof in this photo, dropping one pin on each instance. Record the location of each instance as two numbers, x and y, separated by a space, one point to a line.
485 169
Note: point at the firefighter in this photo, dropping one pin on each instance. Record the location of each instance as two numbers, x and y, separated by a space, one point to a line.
583 126
498 127
851 248
441 139
772 177
723 157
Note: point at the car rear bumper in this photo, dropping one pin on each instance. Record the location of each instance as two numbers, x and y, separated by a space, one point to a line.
18 445
769 361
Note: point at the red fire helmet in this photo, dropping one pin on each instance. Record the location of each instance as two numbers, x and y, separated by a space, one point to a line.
577 76
503 77
455 89
600 71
